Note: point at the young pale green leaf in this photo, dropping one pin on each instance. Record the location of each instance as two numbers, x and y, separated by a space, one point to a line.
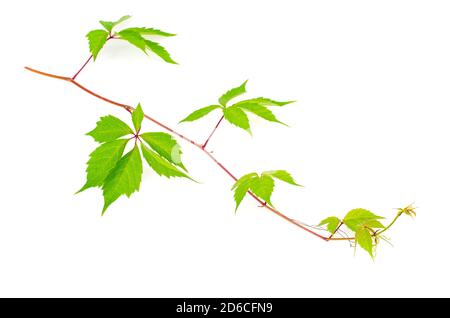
364 238
236 116
232 93
108 25
199 113
109 128
241 187
282 175
137 116
357 217
244 178
151 31
102 160
160 165
332 223
165 145
263 187
264 102
160 51
97 39
408 210
124 178
133 38
260 111
374 224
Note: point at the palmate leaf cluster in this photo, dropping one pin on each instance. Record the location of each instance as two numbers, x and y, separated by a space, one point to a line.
261 185
363 223
136 36
120 174
236 113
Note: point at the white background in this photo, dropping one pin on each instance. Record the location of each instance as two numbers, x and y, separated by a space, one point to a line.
370 129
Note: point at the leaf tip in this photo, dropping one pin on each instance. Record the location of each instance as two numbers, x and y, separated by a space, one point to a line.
81 190
284 124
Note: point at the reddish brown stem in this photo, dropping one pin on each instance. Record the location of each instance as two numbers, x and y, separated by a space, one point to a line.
89 59
84 65
201 147
335 231
212 133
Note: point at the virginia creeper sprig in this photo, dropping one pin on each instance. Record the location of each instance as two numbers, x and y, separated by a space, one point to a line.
119 174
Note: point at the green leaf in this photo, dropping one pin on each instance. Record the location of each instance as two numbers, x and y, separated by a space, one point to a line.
137 116
108 25
199 113
244 178
165 145
364 238
260 111
160 165
125 178
232 93
97 39
241 187
262 187
264 102
332 223
237 117
109 128
151 31
160 51
282 175
357 217
374 224
133 38
102 160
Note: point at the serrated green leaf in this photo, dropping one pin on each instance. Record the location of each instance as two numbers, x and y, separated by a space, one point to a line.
133 38
364 238
264 102
160 165
332 223
109 128
282 175
263 187
160 51
356 217
124 178
241 187
232 93
137 116
374 224
260 111
165 145
237 117
244 178
199 113
108 25
151 31
97 39
102 161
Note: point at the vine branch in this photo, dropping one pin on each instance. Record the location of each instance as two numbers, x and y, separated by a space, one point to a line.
199 146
